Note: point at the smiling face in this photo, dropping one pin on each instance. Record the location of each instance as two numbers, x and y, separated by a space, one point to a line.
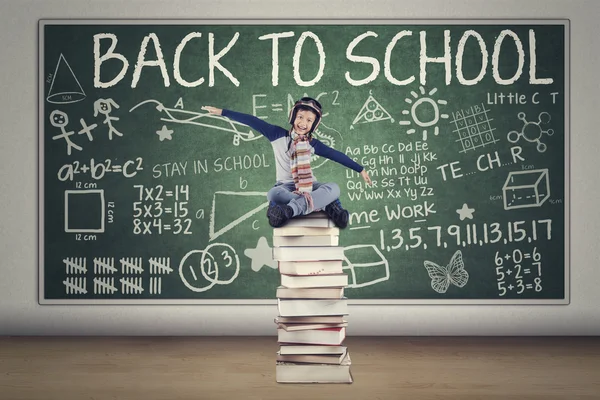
104 106
304 121
58 119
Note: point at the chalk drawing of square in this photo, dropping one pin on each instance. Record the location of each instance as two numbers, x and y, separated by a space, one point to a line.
366 265
84 211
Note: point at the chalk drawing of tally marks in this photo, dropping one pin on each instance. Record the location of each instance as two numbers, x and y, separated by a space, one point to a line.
181 116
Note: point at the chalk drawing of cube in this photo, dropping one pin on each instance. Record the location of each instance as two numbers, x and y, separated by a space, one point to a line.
524 189
84 211
365 265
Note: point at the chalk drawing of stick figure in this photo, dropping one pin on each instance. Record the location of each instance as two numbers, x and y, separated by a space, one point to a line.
60 120
104 107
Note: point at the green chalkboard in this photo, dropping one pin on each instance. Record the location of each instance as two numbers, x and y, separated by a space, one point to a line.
462 125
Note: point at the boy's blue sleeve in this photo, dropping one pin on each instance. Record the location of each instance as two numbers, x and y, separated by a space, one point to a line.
271 132
337 156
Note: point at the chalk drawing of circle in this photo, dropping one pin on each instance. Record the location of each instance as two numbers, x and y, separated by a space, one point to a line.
436 112
513 136
370 116
544 117
532 132
225 261
371 106
193 283
541 147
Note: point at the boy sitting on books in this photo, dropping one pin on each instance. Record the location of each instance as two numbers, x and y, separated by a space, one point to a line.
297 191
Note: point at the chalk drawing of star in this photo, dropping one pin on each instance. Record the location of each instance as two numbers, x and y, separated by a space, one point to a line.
465 212
261 255
164 133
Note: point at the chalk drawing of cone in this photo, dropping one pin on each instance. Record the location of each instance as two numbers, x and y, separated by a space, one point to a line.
65 87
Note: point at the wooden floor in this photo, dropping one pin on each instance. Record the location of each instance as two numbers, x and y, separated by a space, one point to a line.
407 368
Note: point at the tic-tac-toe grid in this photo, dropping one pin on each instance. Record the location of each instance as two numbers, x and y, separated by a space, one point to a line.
473 127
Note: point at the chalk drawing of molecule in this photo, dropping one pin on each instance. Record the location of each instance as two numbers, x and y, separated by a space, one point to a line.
532 131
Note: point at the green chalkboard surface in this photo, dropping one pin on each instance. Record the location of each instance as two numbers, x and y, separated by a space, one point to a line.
462 126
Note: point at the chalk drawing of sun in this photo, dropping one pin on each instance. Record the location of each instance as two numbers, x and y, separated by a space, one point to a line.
424 111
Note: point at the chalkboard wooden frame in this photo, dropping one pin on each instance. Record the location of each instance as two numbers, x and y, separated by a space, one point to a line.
42 122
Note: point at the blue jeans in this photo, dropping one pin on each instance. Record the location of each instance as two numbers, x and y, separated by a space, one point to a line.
322 194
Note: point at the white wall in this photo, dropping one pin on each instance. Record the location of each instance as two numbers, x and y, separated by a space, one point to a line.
20 313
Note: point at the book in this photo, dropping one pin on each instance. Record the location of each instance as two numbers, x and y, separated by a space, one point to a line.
308 307
314 222
313 358
314 281
302 241
310 267
323 336
314 214
303 327
311 319
294 349
314 373
310 293
305 231
309 253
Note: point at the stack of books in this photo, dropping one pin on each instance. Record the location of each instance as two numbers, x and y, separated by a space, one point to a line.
311 327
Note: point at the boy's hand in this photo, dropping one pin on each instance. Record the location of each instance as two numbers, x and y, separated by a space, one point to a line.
366 177
213 110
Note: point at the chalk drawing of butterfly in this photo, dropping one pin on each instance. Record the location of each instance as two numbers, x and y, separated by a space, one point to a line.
442 277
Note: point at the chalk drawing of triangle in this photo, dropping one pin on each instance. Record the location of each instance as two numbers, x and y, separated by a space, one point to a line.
247 204
361 117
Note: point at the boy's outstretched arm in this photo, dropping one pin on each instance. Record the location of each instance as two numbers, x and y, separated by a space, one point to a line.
272 132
